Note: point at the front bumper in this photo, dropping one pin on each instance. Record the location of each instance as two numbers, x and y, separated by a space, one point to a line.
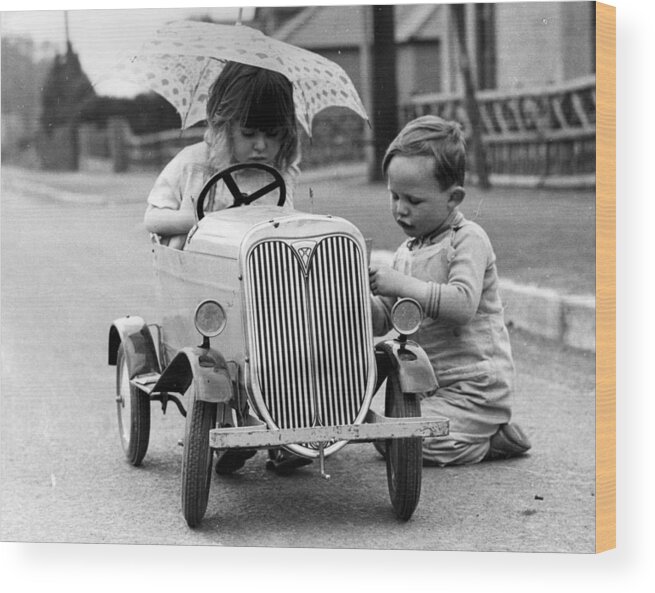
375 427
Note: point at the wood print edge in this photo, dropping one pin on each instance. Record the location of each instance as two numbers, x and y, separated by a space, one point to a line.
605 277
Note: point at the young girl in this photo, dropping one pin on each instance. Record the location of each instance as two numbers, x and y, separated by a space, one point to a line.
251 118
449 267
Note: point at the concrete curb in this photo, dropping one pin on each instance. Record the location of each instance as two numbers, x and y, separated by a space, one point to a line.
568 319
582 181
339 171
336 171
43 190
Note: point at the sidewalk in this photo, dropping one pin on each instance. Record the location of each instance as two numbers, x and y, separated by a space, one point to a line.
546 312
99 185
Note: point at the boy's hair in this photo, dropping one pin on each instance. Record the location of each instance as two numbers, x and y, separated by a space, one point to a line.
432 136
254 98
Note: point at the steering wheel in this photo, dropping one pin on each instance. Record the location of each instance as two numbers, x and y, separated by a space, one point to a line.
240 198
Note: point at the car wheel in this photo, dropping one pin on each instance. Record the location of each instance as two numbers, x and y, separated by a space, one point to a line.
197 461
133 409
403 456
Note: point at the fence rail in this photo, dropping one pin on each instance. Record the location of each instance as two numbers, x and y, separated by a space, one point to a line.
536 136
338 137
543 133
159 148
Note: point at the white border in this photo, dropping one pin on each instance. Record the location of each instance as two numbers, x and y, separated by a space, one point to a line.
72 568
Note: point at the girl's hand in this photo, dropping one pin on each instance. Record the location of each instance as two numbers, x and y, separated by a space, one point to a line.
386 281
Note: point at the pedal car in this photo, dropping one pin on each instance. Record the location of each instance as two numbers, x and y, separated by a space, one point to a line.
279 300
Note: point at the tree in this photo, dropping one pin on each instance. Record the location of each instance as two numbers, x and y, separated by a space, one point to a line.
22 78
65 92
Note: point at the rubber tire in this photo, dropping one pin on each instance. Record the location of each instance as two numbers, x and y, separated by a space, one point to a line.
135 438
197 461
404 457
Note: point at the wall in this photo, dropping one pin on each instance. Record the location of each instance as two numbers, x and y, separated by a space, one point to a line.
529 44
404 72
427 68
348 59
578 36
542 43
406 67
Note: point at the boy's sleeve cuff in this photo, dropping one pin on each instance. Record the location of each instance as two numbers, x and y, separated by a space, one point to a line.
433 300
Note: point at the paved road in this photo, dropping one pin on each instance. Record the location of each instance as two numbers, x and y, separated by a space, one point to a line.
68 269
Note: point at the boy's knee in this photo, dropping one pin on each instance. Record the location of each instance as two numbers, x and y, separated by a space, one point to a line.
440 452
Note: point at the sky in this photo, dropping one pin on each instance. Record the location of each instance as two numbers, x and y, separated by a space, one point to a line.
101 37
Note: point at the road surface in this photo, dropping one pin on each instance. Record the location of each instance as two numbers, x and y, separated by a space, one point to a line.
70 267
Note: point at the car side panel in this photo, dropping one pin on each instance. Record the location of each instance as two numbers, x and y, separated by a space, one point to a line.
183 280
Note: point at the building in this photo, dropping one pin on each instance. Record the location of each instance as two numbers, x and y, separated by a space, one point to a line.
532 66
510 45
339 32
534 44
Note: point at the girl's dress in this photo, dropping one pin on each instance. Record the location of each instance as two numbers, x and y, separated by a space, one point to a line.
179 184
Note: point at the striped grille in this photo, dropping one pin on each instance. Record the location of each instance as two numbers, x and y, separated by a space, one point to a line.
309 344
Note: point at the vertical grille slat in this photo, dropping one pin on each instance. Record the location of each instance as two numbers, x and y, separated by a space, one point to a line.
288 389
309 341
335 262
358 329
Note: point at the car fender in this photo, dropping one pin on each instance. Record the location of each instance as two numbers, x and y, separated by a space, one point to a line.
205 368
410 362
139 347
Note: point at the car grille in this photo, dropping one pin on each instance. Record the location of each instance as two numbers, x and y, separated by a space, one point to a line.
310 340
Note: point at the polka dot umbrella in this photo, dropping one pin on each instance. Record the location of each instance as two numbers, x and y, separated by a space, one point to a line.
185 57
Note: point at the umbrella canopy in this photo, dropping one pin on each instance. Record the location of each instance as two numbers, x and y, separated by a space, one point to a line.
185 57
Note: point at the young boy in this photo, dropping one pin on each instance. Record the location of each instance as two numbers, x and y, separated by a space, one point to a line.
449 267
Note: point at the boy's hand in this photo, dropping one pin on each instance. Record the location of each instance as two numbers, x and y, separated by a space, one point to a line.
386 281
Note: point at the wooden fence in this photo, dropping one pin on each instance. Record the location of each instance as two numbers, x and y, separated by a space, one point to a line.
544 136
338 137
126 150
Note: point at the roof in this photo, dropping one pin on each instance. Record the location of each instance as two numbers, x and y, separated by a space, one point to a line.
324 27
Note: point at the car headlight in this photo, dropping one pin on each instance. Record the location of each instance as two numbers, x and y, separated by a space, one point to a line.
210 318
406 316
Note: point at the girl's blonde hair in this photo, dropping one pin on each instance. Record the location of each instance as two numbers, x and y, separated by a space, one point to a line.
432 136
253 98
